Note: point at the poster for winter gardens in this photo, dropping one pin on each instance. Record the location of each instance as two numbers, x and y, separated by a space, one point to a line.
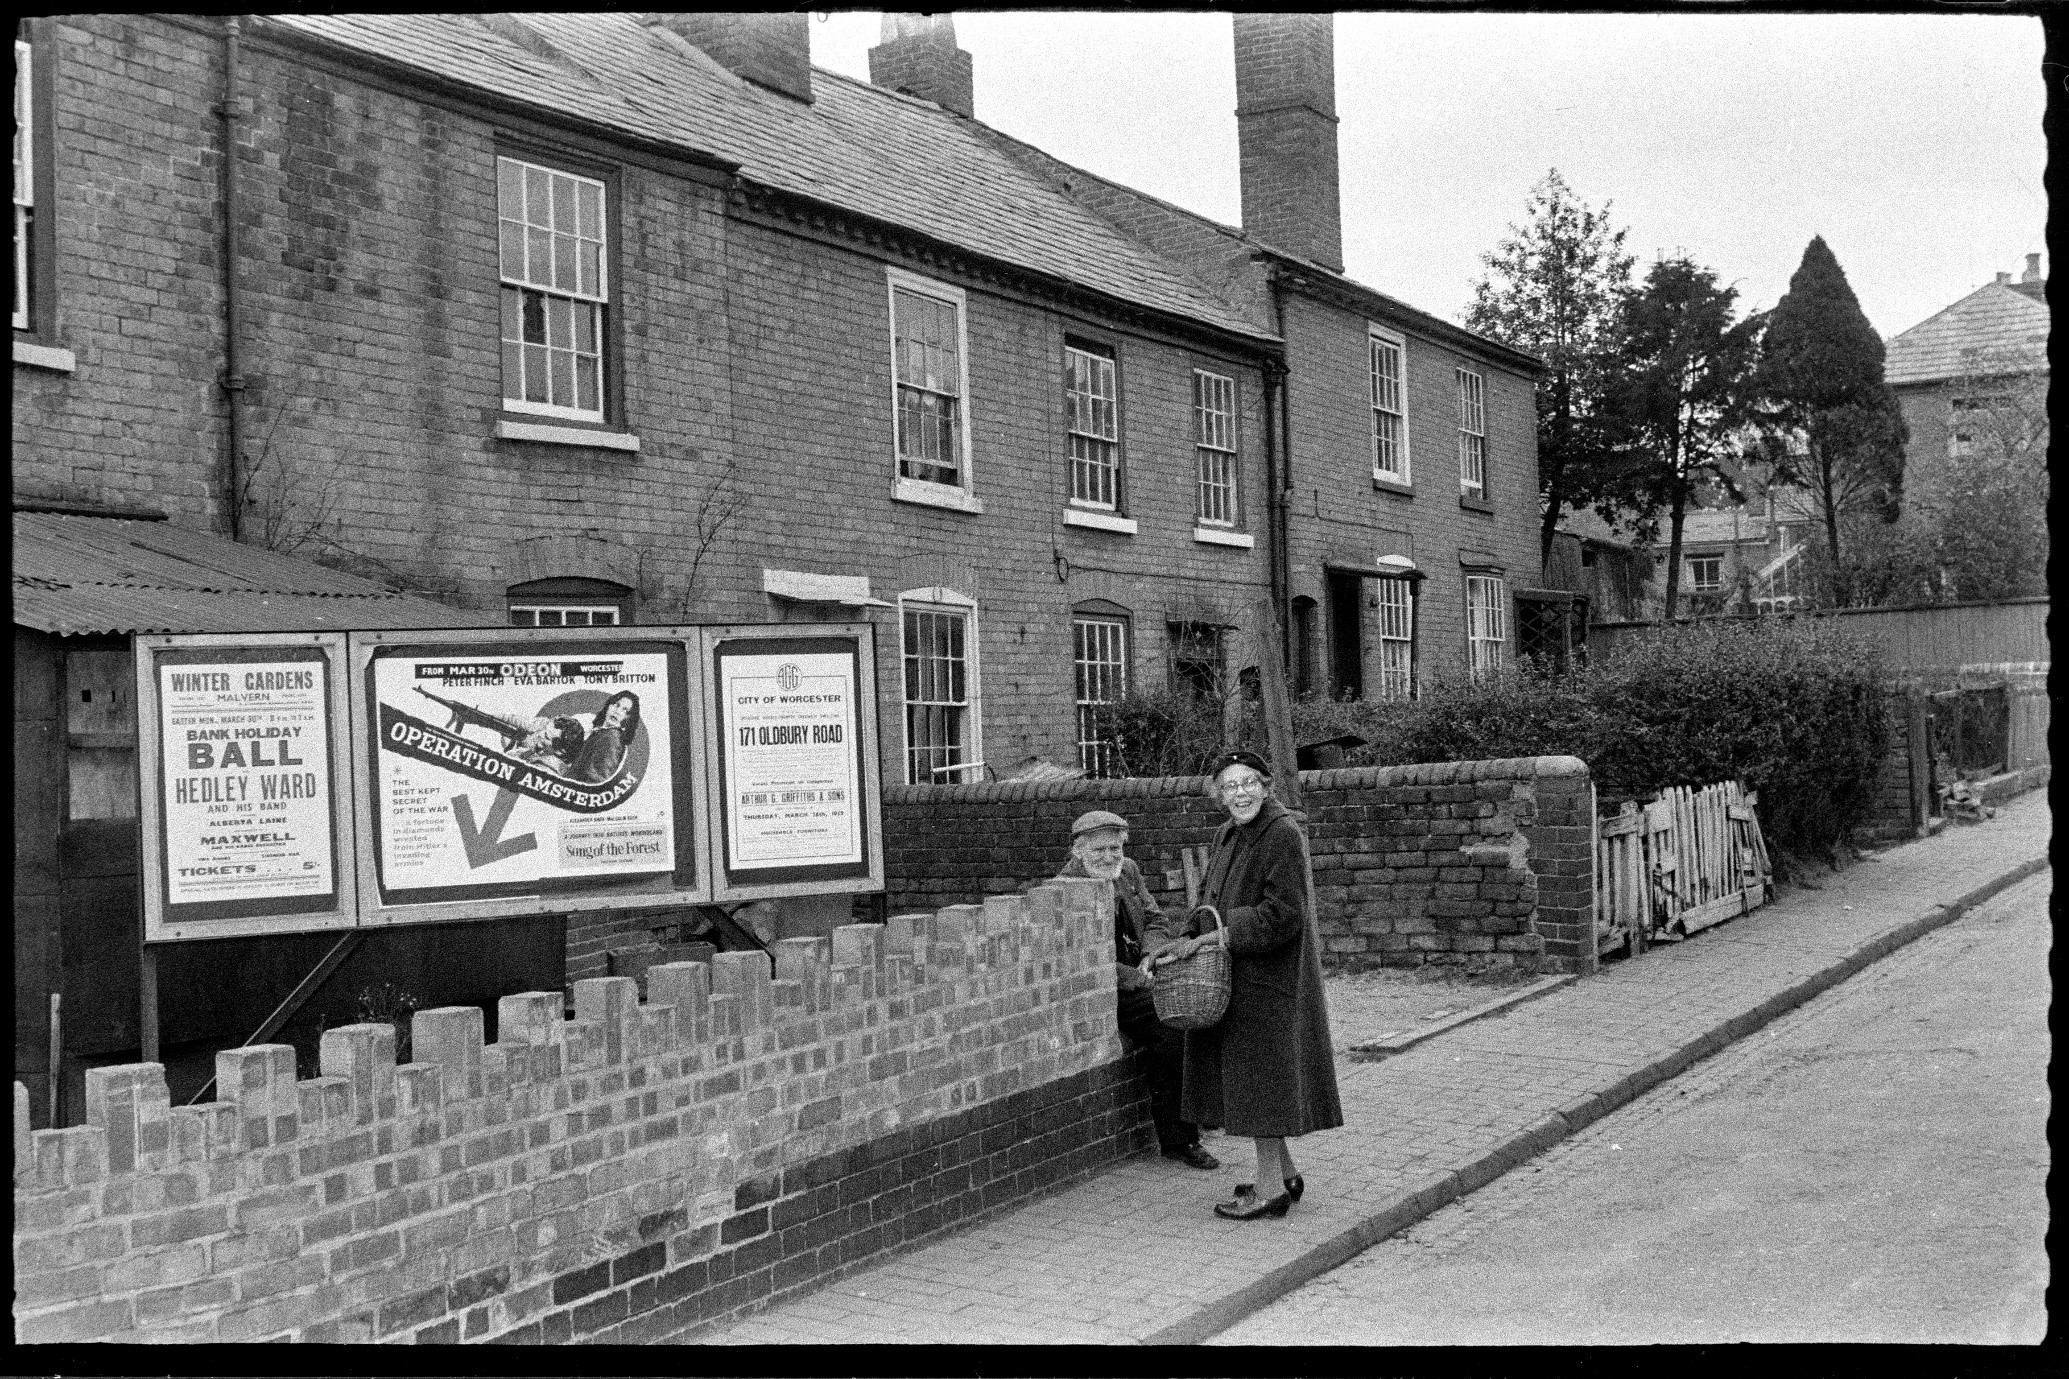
496 771
787 741
245 772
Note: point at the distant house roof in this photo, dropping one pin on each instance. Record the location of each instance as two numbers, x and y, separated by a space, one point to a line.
1994 322
1710 526
77 575
892 158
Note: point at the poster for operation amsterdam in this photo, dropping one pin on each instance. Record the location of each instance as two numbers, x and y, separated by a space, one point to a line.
495 769
244 754
792 788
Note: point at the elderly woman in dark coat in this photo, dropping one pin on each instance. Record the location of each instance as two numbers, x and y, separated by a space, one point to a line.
1266 1070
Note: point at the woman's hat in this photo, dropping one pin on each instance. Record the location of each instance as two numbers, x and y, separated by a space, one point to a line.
1249 759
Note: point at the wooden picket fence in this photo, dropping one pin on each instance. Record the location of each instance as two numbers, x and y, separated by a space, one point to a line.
1687 860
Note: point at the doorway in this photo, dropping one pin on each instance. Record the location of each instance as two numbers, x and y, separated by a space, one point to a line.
1346 635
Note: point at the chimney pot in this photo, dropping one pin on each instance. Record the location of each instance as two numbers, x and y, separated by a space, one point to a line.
918 55
2032 274
2004 279
772 50
1286 133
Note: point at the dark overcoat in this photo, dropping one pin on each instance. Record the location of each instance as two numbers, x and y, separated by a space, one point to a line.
1138 919
1267 1069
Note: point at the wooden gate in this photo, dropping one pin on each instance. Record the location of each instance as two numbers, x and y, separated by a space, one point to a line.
1683 862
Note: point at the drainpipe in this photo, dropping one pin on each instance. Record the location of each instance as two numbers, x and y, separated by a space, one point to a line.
1282 493
1274 544
232 109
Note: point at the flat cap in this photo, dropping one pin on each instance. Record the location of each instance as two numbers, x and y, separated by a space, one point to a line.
1098 819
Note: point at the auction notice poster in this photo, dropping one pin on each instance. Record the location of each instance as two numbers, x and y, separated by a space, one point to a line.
496 772
245 781
792 779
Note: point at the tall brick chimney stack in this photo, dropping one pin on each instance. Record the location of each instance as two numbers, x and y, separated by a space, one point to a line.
917 54
772 50
2032 273
1286 132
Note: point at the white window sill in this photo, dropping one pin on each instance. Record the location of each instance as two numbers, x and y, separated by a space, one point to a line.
1098 521
566 435
1217 536
936 496
45 357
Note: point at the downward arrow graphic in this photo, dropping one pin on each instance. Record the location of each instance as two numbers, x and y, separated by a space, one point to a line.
487 844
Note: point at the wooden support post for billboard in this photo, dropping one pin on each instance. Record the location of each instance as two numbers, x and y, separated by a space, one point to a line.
147 1003
57 1054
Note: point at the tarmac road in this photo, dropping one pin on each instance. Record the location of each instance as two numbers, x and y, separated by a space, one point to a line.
1869 1167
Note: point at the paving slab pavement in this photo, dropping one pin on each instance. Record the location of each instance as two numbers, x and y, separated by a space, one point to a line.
1134 1255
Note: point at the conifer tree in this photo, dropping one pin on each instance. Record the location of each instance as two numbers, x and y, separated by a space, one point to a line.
1832 424
1680 398
1552 289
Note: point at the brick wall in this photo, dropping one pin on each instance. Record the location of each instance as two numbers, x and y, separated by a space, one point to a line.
1478 863
640 1170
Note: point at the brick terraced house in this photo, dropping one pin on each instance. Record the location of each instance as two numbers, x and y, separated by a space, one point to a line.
1407 495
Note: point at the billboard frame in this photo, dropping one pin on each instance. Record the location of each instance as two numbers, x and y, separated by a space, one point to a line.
152 819
868 875
567 897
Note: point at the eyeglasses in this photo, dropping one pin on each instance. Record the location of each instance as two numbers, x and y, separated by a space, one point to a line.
1243 787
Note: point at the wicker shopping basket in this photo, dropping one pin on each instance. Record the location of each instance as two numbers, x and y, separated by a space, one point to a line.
1192 993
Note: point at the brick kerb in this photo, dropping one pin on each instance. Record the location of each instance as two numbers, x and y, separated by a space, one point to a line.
1218 1314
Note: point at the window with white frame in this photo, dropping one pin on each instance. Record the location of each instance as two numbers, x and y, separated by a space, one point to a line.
569 602
24 179
1486 623
555 290
1472 435
1214 439
1395 623
1093 417
931 380
1099 661
937 645
1389 408
1706 573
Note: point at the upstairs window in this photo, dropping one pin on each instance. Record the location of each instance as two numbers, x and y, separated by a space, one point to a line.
1093 416
24 178
555 290
1214 441
930 379
1389 409
1486 623
1472 436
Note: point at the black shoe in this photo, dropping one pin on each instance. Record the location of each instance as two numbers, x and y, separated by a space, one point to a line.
1248 1206
1294 1187
1193 1156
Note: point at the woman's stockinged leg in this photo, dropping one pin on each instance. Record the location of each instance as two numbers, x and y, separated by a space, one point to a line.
1271 1154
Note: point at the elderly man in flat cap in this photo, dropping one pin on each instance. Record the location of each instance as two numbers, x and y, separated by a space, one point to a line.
1098 849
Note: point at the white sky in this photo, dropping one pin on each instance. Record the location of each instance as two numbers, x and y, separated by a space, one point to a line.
1911 142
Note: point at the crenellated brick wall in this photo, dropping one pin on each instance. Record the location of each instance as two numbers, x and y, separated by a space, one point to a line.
633 1173
1474 863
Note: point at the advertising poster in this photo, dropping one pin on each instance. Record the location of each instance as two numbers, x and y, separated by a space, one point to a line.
245 780
791 764
495 773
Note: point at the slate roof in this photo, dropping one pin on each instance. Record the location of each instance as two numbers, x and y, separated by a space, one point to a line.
76 575
1996 320
871 152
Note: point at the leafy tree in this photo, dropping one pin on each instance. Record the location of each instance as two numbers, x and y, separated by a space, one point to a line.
1551 289
1987 522
1832 425
1681 398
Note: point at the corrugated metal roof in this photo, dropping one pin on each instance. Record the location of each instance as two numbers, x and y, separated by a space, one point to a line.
1991 327
892 158
76 575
